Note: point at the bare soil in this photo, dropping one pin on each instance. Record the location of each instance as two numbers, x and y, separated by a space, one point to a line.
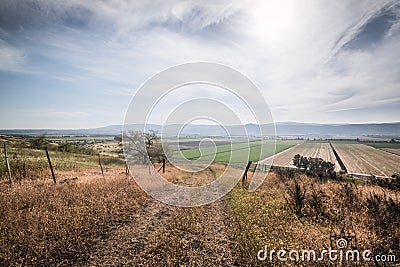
314 150
360 158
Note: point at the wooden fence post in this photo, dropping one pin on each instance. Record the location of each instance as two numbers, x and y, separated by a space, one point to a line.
162 167
101 167
51 167
7 163
244 177
255 168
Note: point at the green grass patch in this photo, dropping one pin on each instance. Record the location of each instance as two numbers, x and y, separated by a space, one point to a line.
384 145
342 141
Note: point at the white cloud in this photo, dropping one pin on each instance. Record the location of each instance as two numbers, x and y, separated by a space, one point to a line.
292 49
12 59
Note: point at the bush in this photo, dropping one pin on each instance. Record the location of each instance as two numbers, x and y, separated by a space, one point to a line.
349 196
315 167
39 142
297 196
73 148
317 203
285 174
384 213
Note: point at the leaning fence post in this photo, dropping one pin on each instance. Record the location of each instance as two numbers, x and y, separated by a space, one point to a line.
7 163
51 167
255 168
244 177
101 167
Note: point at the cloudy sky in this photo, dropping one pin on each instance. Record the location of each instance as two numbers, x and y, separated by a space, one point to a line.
76 64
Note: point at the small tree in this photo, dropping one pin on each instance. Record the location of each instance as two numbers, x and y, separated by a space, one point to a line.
304 162
145 146
39 142
296 160
315 167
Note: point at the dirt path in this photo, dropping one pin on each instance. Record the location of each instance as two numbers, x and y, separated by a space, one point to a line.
129 240
162 235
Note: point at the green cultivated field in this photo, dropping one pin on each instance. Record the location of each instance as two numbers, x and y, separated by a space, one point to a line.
224 152
384 145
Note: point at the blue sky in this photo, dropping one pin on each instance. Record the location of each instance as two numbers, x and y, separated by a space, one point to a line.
76 64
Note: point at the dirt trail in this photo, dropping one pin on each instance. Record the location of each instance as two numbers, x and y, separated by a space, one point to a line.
162 235
129 240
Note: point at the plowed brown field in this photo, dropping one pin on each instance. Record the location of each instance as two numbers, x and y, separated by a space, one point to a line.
360 158
307 149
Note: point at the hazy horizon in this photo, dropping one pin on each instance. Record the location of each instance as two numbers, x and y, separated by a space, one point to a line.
281 122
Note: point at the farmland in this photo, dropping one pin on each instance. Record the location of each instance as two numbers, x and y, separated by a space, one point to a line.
306 149
395 151
387 146
360 158
223 152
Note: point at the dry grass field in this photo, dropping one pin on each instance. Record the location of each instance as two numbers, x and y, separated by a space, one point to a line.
268 217
55 224
96 221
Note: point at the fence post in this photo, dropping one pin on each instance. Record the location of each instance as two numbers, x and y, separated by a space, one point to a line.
244 177
255 168
51 167
163 165
7 163
101 167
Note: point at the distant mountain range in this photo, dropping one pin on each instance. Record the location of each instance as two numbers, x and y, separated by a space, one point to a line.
282 129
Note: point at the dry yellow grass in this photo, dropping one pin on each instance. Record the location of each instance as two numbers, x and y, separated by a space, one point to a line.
46 224
265 218
98 221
